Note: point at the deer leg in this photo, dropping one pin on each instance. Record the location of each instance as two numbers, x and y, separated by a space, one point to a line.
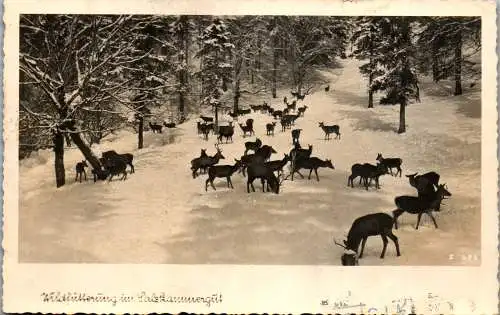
262 182
206 184
76 178
363 243
310 171
230 182
429 213
212 183
396 243
396 220
316 171
384 239
418 220
85 173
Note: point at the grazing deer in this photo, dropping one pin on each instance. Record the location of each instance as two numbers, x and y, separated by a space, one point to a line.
330 129
80 170
363 227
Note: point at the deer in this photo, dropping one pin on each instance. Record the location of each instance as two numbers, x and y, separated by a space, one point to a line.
155 127
420 205
205 162
266 175
363 227
270 128
390 163
227 132
127 157
277 166
254 146
246 129
366 172
169 125
80 170
301 110
221 171
312 164
330 129
295 135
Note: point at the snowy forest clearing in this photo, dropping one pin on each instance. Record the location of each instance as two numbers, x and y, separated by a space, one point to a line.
160 214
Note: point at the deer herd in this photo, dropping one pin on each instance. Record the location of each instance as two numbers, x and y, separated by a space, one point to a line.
258 165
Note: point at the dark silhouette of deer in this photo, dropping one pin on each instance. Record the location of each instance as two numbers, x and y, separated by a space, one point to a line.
127 157
155 127
270 128
420 205
301 110
246 129
226 132
206 161
311 164
327 88
295 135
169 125
366 172
221 171
330 129
426 184
80 170
363 227
391 163
266 175
252 145
277 166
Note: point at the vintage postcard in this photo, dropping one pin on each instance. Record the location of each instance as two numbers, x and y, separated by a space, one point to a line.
250 156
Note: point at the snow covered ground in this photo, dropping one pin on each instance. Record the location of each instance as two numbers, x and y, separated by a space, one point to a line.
161 214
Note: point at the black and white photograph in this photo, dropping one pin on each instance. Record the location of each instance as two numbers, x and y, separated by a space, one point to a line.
250 139
263 139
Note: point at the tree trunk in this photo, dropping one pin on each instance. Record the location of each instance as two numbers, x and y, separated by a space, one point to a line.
236 98
58 140
435 64
275 59
370 91
216 118
88 154
275 70
458 63
183 59
402 118
140 144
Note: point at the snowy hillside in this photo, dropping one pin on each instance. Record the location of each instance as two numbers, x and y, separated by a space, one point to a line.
161 214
